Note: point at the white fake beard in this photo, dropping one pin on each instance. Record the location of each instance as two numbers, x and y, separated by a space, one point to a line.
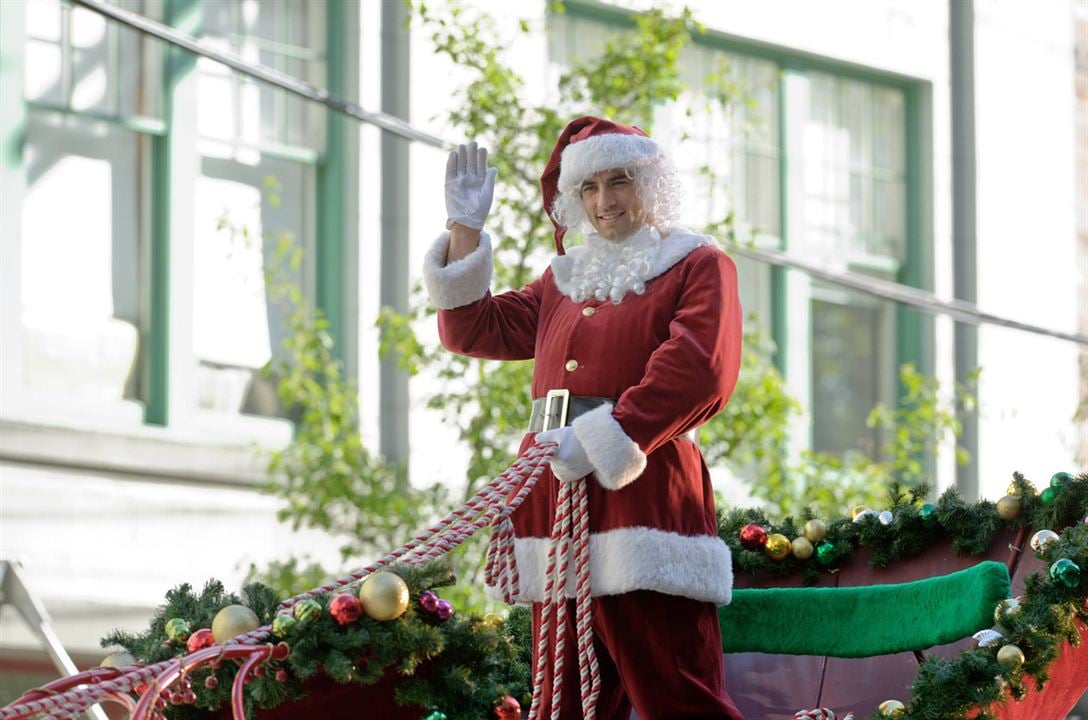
609 269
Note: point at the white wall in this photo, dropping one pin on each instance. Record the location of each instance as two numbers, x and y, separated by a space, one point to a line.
100 551
1026 237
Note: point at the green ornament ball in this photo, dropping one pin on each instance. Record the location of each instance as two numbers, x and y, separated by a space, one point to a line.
1047 496
825 553
436 715
283 624
928 513
307 611
1059 479
1065 572
177 629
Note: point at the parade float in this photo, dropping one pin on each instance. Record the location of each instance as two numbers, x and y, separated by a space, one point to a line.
916 610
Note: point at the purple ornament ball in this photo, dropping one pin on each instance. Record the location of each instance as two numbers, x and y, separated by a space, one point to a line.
428 601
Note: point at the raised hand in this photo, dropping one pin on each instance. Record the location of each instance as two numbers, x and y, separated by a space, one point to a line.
470 186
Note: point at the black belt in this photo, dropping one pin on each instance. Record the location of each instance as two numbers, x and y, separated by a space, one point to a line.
559 408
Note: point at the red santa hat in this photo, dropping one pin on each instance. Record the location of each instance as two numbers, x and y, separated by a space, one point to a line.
587 146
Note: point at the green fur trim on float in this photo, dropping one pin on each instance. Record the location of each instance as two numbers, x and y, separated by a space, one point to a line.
852 622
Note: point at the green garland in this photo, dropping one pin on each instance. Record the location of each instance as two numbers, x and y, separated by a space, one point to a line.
477 662
1048 612
915 526
1046 619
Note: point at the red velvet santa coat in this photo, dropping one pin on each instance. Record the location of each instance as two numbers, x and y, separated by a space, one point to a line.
670 357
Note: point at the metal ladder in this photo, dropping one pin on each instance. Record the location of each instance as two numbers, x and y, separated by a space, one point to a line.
14 592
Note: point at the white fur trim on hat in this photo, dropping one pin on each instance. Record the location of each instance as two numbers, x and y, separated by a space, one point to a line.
699 567
616 458
588 157
461 282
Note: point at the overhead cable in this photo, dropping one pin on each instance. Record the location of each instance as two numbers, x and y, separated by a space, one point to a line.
896 292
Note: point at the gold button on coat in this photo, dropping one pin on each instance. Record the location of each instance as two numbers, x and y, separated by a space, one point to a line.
588 311
571 365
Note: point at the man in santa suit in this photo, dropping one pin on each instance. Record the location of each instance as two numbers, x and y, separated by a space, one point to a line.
636 333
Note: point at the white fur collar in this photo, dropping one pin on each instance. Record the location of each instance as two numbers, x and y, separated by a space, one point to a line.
609 270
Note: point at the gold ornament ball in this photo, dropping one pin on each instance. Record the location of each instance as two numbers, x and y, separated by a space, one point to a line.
1043 539
1012 489
493 619
892 709
815 531
1010 656
801 548
1008 507
384 596
777 546
857 510
233 620
118 659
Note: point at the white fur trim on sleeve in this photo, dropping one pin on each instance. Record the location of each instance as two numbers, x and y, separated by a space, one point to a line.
461 282
617 459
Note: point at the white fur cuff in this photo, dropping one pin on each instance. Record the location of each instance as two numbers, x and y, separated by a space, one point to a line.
617 459
461 282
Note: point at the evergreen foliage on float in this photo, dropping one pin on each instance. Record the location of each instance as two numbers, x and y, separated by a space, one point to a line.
463 664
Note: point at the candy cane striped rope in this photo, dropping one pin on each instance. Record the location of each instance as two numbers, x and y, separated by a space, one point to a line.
587 656
492 505
570 532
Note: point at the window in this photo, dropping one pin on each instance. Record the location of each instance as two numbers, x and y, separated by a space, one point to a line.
854 217
854 165
149 209
811 159
258 147
82 238
74 60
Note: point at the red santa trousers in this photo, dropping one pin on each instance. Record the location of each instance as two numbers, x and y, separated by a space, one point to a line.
658 654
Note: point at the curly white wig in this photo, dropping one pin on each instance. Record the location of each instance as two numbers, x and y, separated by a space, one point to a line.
655 178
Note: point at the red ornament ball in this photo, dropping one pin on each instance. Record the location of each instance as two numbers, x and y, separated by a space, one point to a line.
345 609
199 640
211 682
753 536
508 709
281 676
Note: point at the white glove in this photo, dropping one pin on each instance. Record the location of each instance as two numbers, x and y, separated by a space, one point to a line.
570 461
470 186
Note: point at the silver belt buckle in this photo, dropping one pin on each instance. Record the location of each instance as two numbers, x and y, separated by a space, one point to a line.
564 396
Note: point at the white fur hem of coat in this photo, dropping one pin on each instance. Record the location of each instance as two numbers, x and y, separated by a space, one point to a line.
698 567
616 458
461 282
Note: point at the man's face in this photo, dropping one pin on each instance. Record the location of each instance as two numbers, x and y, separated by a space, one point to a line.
610 199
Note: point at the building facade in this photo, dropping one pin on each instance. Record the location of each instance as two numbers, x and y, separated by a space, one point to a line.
145 193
